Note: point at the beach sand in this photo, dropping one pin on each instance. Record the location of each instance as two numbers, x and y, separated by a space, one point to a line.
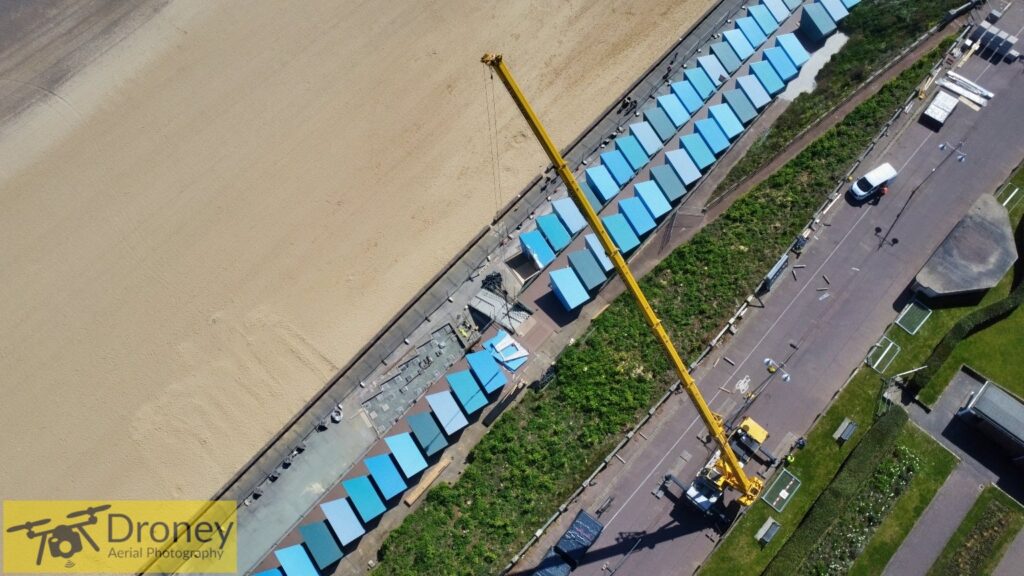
200 225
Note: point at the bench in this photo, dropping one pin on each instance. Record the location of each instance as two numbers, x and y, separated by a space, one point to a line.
767 531
845 431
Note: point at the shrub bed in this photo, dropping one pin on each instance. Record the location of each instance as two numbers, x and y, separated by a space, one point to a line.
878 30
981 540
539 451
838 526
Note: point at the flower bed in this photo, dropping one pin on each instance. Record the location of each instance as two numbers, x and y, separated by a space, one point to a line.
833 518
981 540
844 541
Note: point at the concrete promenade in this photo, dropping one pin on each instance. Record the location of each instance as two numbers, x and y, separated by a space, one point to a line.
283 503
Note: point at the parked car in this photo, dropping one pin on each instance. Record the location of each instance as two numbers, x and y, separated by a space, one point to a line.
873 182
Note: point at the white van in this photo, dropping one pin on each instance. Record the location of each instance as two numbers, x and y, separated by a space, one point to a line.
873 181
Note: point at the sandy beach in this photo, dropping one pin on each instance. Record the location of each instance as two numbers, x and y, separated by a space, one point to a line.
206 218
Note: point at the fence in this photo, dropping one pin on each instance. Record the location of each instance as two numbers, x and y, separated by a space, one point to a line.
461 268
834 195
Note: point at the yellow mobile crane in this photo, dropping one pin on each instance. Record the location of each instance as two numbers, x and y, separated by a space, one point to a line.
728 466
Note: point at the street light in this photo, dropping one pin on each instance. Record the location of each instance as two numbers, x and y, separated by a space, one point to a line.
960 157
774 367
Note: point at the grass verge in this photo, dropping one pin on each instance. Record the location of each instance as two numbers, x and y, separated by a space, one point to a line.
982 538
815 465
809 538
540 450
878 30
860 494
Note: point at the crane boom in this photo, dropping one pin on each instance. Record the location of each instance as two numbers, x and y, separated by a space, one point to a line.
749 488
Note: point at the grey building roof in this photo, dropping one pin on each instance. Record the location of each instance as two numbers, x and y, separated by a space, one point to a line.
1001 408
975 255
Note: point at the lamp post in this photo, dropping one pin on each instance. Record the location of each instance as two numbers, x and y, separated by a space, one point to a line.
774 367
960 157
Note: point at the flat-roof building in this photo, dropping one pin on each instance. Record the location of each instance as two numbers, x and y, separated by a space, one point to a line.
1000 415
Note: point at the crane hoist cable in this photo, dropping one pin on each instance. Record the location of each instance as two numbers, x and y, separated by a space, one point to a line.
492 132
732 470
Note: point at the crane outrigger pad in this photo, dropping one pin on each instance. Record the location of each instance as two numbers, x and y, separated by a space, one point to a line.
781 490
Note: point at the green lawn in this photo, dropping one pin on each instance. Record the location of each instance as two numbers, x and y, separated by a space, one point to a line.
991 351
815 465
982 538
935 466
994 352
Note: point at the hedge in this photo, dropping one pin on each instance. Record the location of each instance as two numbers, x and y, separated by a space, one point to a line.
856 473
539 451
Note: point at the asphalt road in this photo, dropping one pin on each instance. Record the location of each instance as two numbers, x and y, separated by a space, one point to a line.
833 328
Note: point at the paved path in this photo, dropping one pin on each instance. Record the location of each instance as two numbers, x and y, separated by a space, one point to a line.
1012 562
933 529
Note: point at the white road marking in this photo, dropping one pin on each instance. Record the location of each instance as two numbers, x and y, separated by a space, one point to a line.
759 342
1019 32
923 142
731 376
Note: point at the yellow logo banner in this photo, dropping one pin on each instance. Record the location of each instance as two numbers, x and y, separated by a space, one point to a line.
120 537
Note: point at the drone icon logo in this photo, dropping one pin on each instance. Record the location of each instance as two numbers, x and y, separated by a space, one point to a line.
63 540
